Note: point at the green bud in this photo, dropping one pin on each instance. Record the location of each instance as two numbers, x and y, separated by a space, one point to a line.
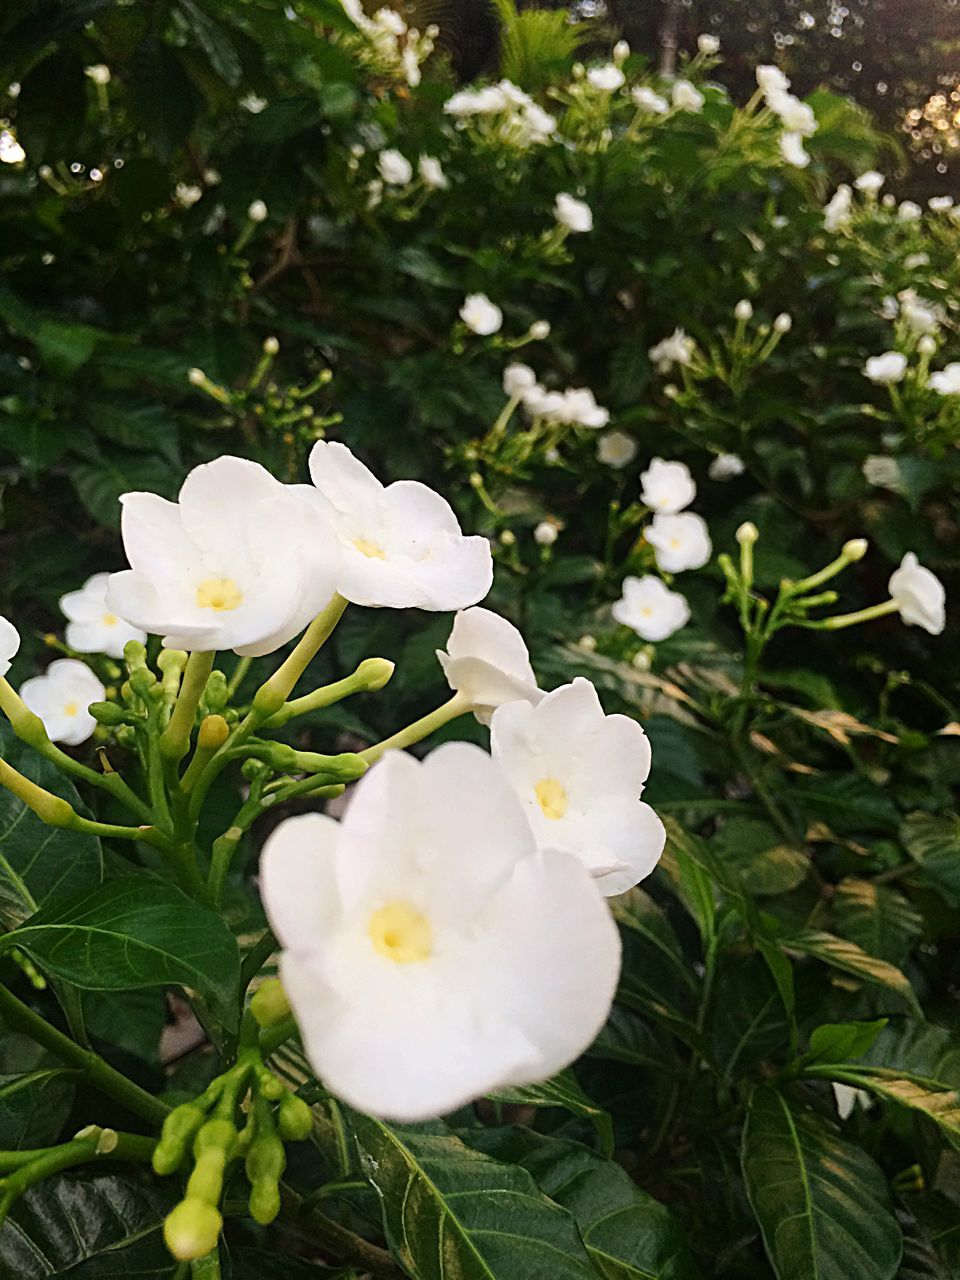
206 1180
108 713
266 1159
270 1087
179 1130
135 655
171 660
192 1229
215 695
253 769
295 1120
216 1135
213 732
126 737
264 1201
373 673
269 1003
142 681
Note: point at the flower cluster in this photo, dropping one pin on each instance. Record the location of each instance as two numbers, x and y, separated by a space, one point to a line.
390 45
503 113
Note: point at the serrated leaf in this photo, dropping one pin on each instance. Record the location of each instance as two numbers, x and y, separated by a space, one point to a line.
564 1091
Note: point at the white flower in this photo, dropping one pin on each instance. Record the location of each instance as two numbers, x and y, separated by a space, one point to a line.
518 378
391 21
847 1098
91 626
675 349
257 211
608 78
927 345
395 169
253 103
187 194
946 382
650 608
836 212
431 173
648 100
539 330
914 260
679 541
236 563
621 51
536 125
708 44
726 466
783 323
795 116
792 150
575 215
685 97
480 314
11 152
431 952
919 595
61 696
99 73
616 449
920 316
487 662
771 79
546 533
580 408
743 310
401 546
909 211
940 204
578 774
9 644
667 486
870 182
887 368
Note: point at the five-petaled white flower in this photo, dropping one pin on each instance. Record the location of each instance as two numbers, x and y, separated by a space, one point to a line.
579 774
869 182
919 595
236 563
677 348
431 173
9 644
616 449
480 314
887 368
946 381
607 78
679 541
667 486
401 546
395 169
92 627
792 150
686 97
726 466
940 204
650 608
795 116
431 952
708 44
61 696
487 662
576 215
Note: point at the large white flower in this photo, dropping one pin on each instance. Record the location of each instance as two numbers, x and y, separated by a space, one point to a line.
238 562
395 169
676 348
650 608
480 314
430 952
579 775
576 215
401 546
487 662
686 97
679 541
91 625
61 696
887 368
616 449
607 78
9 644
919 595
946 381
667 486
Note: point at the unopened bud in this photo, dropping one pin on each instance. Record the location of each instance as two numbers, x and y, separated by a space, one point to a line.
108 713
539 330
269 1003
213 733
192 1229
621 52
196 377
135 654
257 211
179 1129
295 1121
508 538
546 533
216 1134
270 346
587 643
375 672
783 323
216 692
926 346
142 681
264 1201
747 534
855 549
744 309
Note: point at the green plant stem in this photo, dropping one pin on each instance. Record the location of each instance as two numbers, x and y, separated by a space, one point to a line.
20 1016
207 1267
271 696
851 619
458 705
225 846
55 1159
342 1244
256 958
325 696
275 1036
238 675
175 739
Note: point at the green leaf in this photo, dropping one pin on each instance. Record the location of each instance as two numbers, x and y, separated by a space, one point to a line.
451 1213
51 108
39 864
135 932
934 842
849 958
822 1203
564 1091
214 42
164 96
842 1041
36 1093
877 918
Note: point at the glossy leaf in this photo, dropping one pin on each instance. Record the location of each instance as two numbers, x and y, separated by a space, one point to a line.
564 1091
849 958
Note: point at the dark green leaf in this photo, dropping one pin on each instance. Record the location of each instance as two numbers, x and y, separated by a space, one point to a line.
564 1091
849 958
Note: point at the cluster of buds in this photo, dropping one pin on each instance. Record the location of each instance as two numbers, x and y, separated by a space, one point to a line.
391 47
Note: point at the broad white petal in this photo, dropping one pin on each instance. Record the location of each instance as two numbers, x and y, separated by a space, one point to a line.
218 502
154 538
351 488
298 879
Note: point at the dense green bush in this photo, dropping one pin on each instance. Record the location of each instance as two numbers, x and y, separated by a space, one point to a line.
209 247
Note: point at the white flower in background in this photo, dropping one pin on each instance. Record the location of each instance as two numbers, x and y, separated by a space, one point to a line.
391 21
534 125
91 626
708 44
487 662
940 204
675 349
783 323
771 79
431 173
473 102
847 1098
886 368
539 330
480 314
918 594
395 169
726 466
257 211
11 151
621 52
61 696
616 449
374 193
889 307
795 116
518 378
186 195
431 953
253 104
580 408
792 150
9 644
608 78
679 541
667 486
837 210
99 73
946 382
575 215
650 608
236 563
546 533
579 774
909 211
927 346
870 182
401 545
685 97
920 315
743 310
648 100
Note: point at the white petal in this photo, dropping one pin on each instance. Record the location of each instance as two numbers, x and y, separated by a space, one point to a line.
349 486
154 538
298 878
217 501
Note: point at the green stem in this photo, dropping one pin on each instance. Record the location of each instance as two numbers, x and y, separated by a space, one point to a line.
342 1243
256 958
458 705
271 696
55 1159
175 739
225 846
326 696
862 615
237 678
207 1267
275 1036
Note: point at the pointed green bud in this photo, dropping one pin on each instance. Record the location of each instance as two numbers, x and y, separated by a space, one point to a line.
269 1004
216 695
264 1201
192 1230
142 681
179 1130
373 673
135 655
108 713
216 1135
266 1159
855 549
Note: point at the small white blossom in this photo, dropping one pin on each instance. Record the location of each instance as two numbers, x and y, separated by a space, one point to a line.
99 73
11 152
792 150
920 315
9 644
518 378
616 449
836 212
187 194
847 1098
927 345
608 78
919 595
575 215
743 310
395 169
679 541
650 608
708 44
887 368
783 323
940 204
92 627
539 330
546 533
649 100
621 52
675 349
946 382
61 696
487 662
726 466
481 315
795 116
391 21
686 97
771 79
431 173
909 211
580 408
257 211
870 182
667 486
253 103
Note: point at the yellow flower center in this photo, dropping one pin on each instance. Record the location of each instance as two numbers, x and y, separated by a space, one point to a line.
109 619
551 797
401 933
646 612
221 594
71 709
675 543
369 549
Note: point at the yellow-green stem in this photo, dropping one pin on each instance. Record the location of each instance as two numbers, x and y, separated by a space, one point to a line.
458 705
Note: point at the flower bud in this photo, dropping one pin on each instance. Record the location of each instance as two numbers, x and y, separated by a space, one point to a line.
508 538
587 643
170 659
216 1135
546 533
192 1229
295 1120
855 549
783 323
621 52
135 654
179 1130
216 691
196 377
539 330
271 346
744 309
108 713
206 1180
142 681
257 211
213 733
374 673
264 1201
747 534
927 346
269 1003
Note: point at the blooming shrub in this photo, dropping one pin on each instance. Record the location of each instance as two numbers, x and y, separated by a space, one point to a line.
644 964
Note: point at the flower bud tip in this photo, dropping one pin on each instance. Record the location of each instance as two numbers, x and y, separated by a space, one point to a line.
855 549
748 533
192 1229
269 1004
375 673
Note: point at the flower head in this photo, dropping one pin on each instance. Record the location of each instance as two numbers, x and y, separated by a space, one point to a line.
726 466
940 204
616 449
795 116
909 211
771 79
99 73
607 78
792 150
395 169
708 44
575 215
685 97
887 368
946 382
837 210
9 644
578 774
679 541
236 563
919 595
518 378
431 173
677 348
546 533
487 662
649 100
257 211
61 696
650 608
401 546
667 486
480 314
869 182
430 952
92 627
